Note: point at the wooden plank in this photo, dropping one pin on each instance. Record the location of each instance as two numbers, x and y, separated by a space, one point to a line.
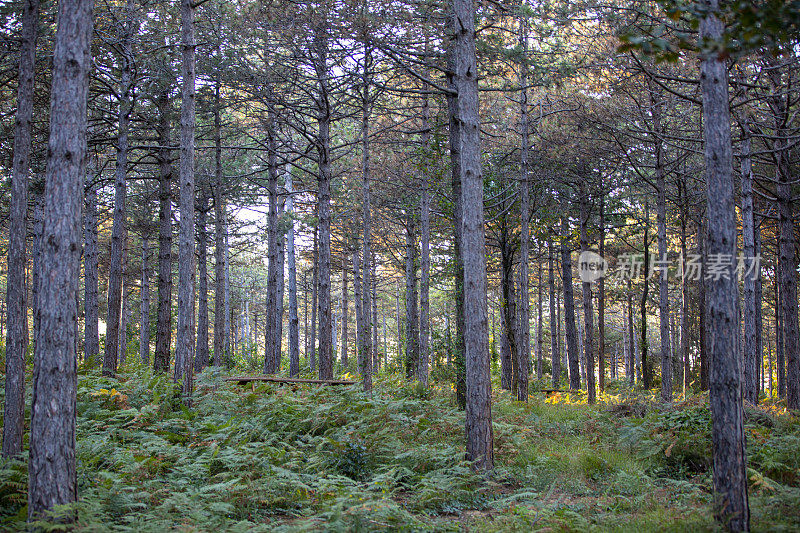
271 379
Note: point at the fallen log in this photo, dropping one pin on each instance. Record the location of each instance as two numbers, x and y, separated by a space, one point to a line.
243 380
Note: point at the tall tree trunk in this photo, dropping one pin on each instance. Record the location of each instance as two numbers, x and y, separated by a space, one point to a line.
345 305
573 357
201 358
412 316
702 311
511 367
271 348
91 334
425 241
144 314
366 346
601 301
661 222
294 322
161 356
374 301
17 339
476 341
730 469
643 343
312 357
787 258
51 467
630 362
554 351
220 344
539 328
110 358
184 338
588 308
759 293
324 200
525 208
748 251
687 369
454 141
281 287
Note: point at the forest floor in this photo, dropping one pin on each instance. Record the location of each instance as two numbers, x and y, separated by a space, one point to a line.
281 458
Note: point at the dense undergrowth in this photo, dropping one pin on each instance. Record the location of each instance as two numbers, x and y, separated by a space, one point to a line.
278 458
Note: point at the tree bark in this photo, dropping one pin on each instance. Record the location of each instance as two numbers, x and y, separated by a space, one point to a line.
366 346
201 358
345 305
110 358
144 314
476 346
412 316
730 469
91 334
184 338
748 252
51 466
425 242
294 322
525 208
281 287
555 353
601 301
271 348
510 365
312 357
161 356
643 343
573 358
220 343
588 308
17 338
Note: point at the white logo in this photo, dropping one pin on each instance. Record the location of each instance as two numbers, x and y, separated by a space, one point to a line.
591 266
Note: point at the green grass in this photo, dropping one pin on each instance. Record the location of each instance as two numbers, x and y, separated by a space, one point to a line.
276 458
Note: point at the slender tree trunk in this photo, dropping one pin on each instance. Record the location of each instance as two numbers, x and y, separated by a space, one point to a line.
345 305
281 287
366 346
759 312
539 328
702 311
748 251
312 357
51 467
17 339
425 241
184 339
201 359
164 319
554 351
643 343
294 322
412 316
601 301
271 348
144 330
573 357
219 236
588 308
630 362
91 335
374 302
476 346
506 372
454 135
687 369
110 358
730 469
525 208
511 367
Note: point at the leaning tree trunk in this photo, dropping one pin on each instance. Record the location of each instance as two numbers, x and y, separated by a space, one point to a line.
588 308
294 323
184 338
473 240
730 469
16 341
110 358
573 358
52 477
161 356
201 358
